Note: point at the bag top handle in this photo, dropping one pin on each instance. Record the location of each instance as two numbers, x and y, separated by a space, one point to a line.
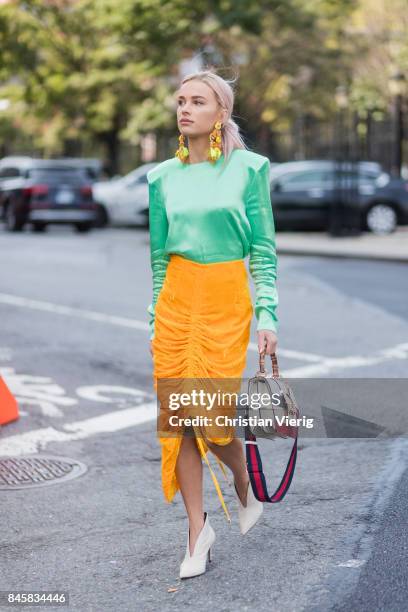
274 359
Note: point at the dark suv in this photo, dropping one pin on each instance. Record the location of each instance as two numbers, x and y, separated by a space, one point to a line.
40 192
304 192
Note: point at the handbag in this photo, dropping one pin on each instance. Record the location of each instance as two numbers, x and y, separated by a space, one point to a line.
279 424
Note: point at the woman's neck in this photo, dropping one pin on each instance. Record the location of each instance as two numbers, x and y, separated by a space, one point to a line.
198 150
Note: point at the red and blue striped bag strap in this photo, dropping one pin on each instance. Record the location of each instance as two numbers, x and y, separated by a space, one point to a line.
253 456
256 475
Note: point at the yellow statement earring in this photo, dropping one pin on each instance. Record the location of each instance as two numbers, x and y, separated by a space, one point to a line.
215 143
182 152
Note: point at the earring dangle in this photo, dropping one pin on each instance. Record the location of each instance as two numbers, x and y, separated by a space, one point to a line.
215 150
182 152
215 143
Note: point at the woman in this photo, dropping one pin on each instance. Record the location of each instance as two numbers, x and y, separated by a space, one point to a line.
209 207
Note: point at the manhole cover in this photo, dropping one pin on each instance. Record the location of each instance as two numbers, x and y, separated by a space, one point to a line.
37 471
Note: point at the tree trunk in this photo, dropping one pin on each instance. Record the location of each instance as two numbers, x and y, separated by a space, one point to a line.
111 142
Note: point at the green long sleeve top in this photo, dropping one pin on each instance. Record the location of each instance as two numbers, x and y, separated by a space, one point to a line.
211 213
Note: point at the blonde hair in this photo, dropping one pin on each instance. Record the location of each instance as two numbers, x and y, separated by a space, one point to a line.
224 93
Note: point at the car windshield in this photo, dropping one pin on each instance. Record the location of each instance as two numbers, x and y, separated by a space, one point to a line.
56 174
133 177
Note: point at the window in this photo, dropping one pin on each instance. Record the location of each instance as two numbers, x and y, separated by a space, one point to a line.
136 179
55 174
353 179
306 179
9 172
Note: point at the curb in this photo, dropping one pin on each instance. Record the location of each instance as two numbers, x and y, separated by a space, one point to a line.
342 254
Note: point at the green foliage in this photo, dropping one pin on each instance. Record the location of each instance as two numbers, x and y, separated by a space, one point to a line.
104 71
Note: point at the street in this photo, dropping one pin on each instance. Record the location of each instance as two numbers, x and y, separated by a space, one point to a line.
74 351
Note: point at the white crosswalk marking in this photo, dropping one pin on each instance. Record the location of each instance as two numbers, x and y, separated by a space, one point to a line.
36 440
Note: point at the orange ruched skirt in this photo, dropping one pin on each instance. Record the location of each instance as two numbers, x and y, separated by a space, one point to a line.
202 329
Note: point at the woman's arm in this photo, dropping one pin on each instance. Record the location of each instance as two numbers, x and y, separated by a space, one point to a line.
263 259
158 228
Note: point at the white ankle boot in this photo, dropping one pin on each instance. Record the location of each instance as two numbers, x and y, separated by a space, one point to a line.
196 564
249 514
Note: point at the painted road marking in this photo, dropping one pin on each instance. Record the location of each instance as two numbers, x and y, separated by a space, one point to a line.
290 354
92 315
43 392
36 440
330 364
321 365
49 396
102 393
33 441
352 563
39 391
100 317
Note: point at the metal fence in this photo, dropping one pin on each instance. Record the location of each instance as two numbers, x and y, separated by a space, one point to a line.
347 137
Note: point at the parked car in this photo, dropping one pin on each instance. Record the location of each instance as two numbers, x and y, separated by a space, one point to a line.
124 200
12 165
303 193
92 166
40 192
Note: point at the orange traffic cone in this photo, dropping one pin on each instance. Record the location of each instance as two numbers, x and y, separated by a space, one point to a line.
8 404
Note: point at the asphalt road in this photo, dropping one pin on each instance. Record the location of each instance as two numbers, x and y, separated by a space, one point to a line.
74 350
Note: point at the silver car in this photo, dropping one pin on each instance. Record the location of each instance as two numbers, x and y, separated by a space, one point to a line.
124 200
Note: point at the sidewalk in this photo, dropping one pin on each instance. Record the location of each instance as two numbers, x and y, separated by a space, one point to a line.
392 247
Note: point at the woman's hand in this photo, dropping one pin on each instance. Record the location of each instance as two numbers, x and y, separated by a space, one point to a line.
267 340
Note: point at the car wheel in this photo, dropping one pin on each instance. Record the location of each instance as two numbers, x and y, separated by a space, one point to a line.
13 221
82 227
381 219
101 217
39 227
